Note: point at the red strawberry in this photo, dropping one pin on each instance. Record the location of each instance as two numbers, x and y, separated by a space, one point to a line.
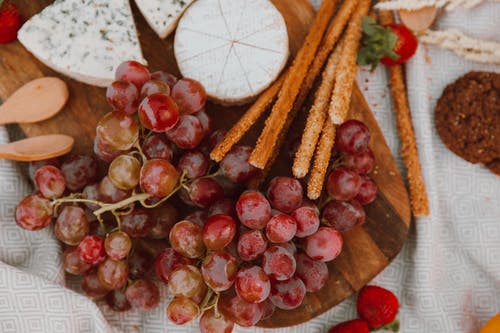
379 307
10 22
353 326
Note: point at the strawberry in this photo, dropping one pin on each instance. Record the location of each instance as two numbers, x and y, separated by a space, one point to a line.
353 326
391 45
379 307
10 22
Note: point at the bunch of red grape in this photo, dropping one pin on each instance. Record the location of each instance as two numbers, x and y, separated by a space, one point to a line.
230 261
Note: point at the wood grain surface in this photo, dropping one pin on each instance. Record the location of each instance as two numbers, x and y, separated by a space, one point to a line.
367 249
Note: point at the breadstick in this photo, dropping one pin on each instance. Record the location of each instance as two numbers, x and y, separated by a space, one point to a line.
247 120
409 150
288 94
316 117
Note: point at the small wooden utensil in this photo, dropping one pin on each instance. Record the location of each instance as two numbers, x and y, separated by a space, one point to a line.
37 100
420 19
37 148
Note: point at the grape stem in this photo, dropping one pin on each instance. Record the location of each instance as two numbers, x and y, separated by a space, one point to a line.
139 149
110 207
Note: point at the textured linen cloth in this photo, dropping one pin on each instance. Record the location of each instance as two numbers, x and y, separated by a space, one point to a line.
447 276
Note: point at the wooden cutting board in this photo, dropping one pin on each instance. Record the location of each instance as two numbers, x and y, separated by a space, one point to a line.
367 249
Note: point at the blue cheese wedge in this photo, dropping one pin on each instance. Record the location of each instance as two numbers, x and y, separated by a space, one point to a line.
162 15
83 39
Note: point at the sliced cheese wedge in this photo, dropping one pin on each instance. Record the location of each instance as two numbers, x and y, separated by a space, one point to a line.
162 15
235 48
83 39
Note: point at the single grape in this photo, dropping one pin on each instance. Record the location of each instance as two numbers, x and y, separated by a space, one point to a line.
285 194
158 112
134 72
186 280
235 165
210 322
91 249
325 245
203 192
367 191
165 77
206 122
313 273
251 245
343 216
268 309
200 296
139 263
218 231
123 96
78 171
253 210
124 172
182 310
71 225
117 130
72 262
165 216
186 237
187 133
138 223
236 309
343 184
307 219
362 162
219 270
154 87
157 146
224 206
158 177
199 217
112 274
117 301
213 139
278 263
117 245
167 261
252 284
103 152
35 165
289 294
352 137
49 180
109 193
34 212
189 95
281 228
91 285
143 295
194 164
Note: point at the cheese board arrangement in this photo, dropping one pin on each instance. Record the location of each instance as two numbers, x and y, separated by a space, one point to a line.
174 165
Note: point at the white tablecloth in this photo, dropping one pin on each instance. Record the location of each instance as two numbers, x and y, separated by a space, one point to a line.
447 275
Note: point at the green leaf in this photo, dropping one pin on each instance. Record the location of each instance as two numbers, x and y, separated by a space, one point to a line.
1 2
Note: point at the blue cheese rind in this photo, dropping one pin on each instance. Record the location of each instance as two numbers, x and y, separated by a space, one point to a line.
83 39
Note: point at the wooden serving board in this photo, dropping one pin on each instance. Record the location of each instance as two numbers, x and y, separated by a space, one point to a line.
367 249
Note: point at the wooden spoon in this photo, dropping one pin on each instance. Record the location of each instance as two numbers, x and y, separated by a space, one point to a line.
37 148
418 20
37 100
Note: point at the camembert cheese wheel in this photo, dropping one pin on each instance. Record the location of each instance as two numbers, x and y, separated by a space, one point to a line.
236 49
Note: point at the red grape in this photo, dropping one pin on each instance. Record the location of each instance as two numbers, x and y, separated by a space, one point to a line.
138 223
167 261
290 247
235 164
34 212
199 217
132 71
367 192
206 122
35 165
91 249
154 87
307 219
289 294
78 171
165 216
343 216
186 237
325 245
164 77
223 206
343 184
251 245
214 138
112 274
103 152
268 309
91 285
212 323
117 245
194 163
189 95
362 162
252 284
143 295
278 263
313 273
352 137
139 263
72 262
124 172
109 193
123 96
182 310
281 228
71 225
157 146
187 133
117 300
218 231
239 311
253 210
117 130
186 280
158 177
219 270
285 194
49 180
158 112
203 192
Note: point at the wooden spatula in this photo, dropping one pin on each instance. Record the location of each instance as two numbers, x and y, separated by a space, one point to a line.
37 148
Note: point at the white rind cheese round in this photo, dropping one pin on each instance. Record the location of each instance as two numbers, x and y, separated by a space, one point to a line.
235 48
